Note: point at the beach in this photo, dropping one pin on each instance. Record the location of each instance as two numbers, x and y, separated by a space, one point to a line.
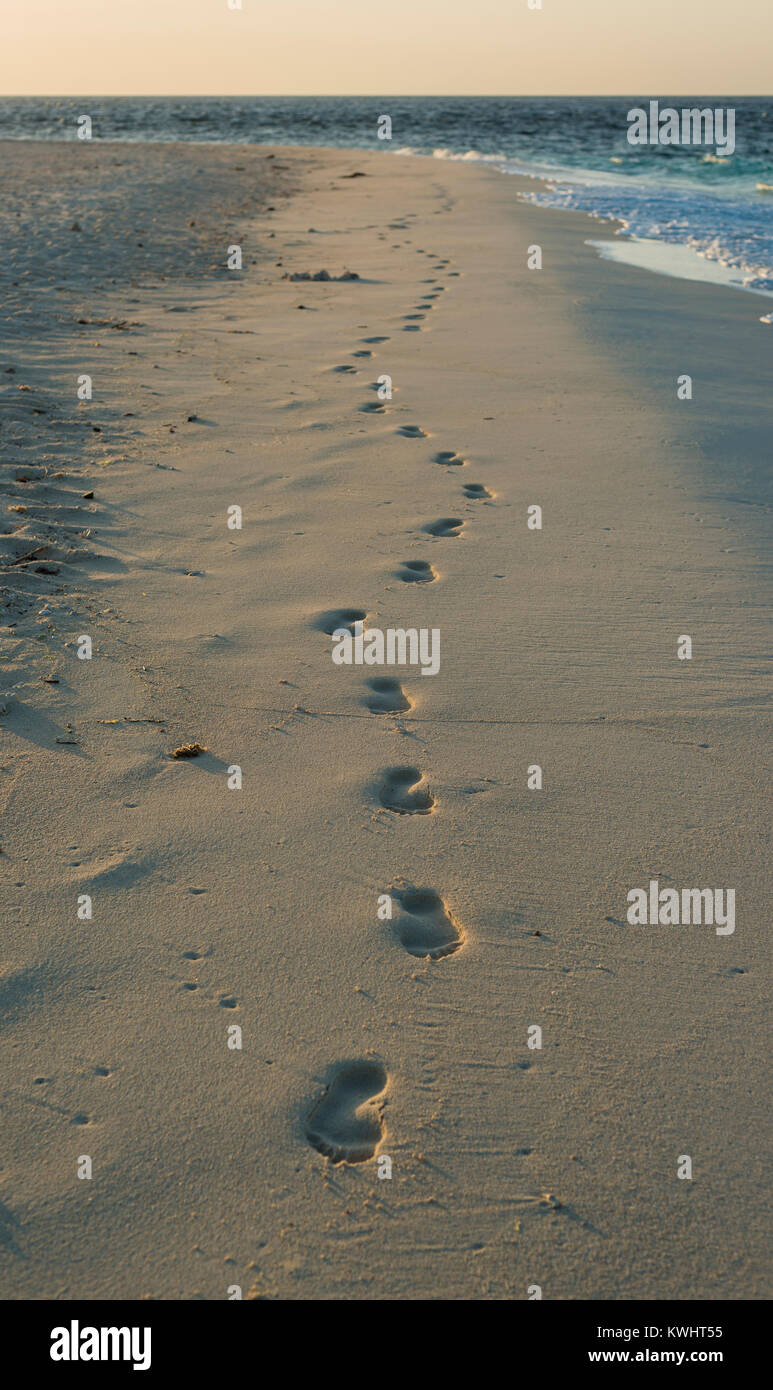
239 1034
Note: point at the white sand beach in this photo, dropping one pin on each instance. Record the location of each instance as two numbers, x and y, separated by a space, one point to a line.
262 907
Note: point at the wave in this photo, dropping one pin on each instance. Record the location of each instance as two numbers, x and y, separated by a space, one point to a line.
729 230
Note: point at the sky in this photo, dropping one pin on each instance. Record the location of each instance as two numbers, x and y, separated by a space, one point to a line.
385 47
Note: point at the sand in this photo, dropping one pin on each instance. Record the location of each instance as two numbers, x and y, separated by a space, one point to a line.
261 908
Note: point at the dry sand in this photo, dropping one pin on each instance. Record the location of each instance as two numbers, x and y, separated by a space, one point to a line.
259 907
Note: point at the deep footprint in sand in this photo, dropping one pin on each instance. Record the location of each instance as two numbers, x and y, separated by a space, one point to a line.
405 791
336 618
344 368
477 491
375 340
388 696
425 926
416 572
345 1124
449 458
447 526
409 317
373 408
411 432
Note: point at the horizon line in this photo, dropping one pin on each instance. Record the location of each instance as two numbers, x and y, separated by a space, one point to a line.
362 96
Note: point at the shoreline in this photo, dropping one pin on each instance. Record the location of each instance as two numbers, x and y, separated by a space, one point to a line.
661 257
723 231
647 254
259 907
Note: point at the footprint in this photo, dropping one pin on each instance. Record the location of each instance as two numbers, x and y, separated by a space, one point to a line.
416 572
375 340
402 791
363 352
336 618
426 927
410 317
344 368
446 526
448 457
345 1123
388 696
373 408
411 432
477 491
411 328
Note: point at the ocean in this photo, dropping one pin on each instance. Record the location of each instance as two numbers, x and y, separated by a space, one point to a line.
689 197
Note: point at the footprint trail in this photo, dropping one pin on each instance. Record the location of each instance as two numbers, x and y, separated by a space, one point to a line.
345 1124
387 697
416 572
404 790
446 526
425 926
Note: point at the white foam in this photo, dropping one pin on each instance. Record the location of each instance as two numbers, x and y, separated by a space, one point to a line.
680 262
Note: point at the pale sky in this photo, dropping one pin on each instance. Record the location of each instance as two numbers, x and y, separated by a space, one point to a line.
385 47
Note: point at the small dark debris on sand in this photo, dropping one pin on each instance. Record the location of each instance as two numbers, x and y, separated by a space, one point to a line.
321 275
189 750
